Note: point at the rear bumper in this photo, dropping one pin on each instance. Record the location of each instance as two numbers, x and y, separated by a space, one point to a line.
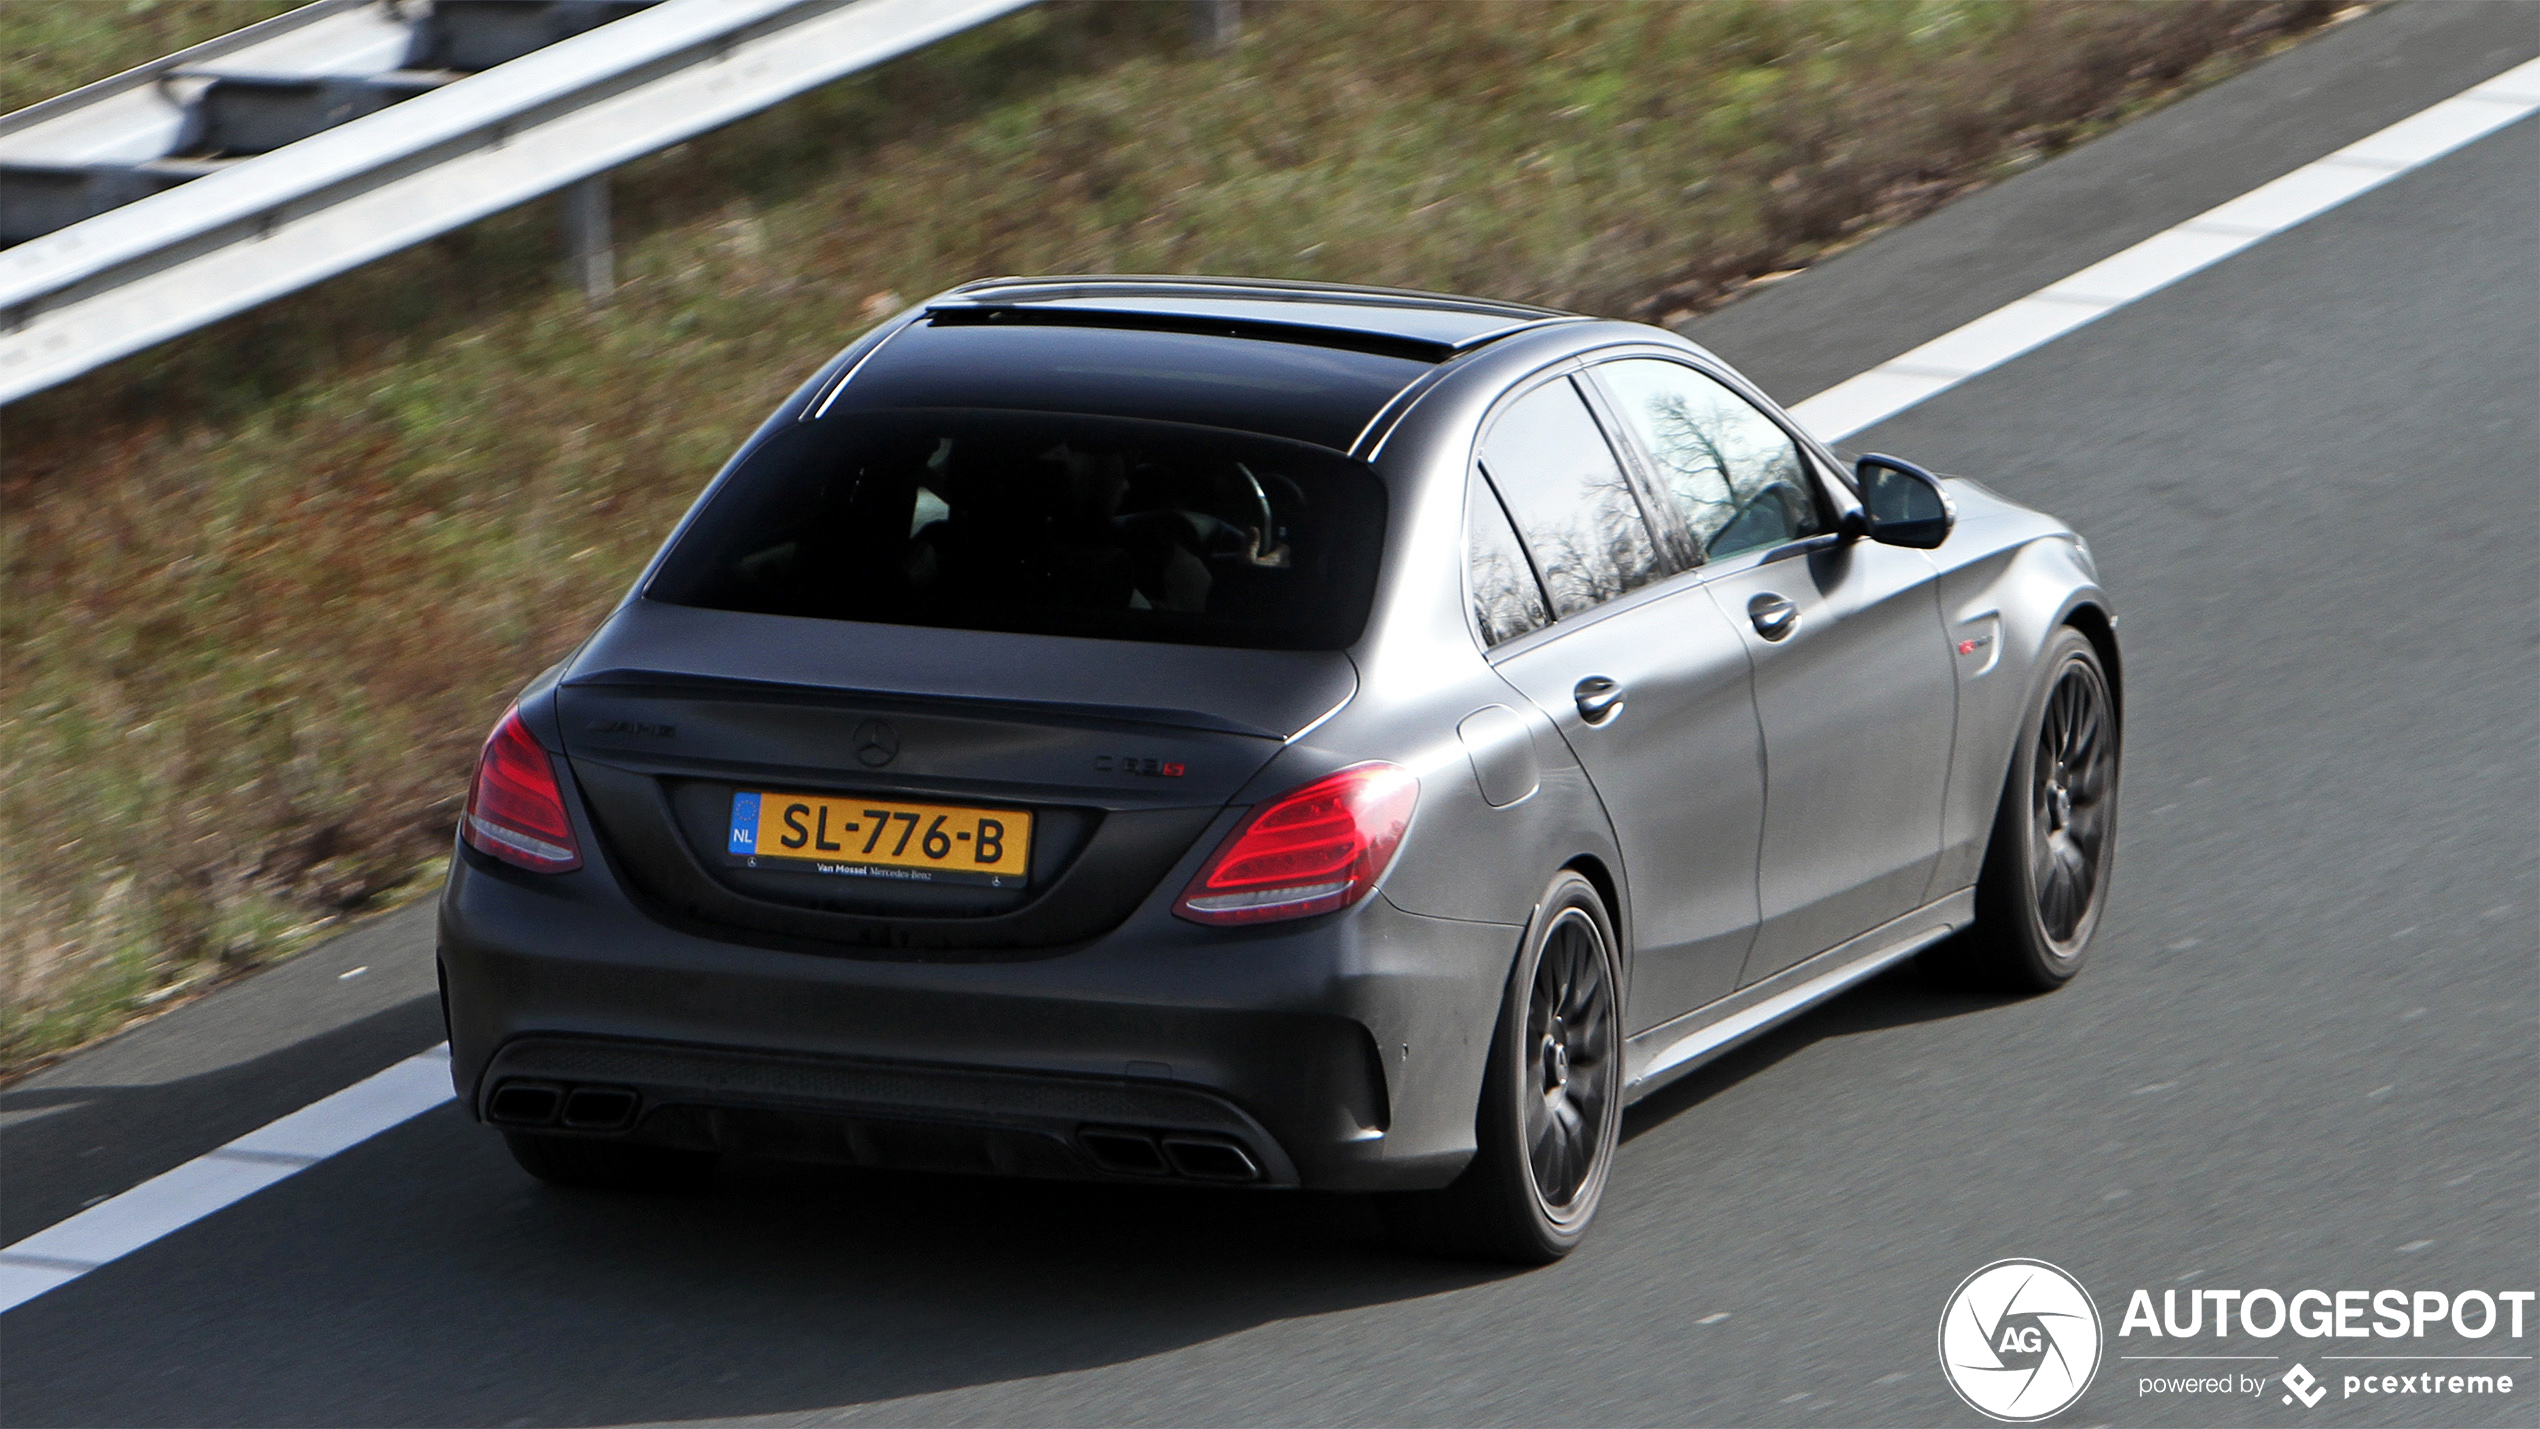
1341 1053
877 1114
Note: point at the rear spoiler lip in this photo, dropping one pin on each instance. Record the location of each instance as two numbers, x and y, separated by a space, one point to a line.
1119 716
1163 317
1415 349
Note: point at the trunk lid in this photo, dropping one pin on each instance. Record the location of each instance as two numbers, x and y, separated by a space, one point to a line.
1120 753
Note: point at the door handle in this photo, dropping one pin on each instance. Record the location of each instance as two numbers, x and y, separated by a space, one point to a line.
1774 616
1600 699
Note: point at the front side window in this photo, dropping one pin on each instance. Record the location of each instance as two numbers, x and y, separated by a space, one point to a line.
1570 500
1507 602
1737 479
1041 522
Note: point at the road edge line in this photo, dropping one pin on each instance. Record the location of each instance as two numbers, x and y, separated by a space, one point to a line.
2078 299
231 1172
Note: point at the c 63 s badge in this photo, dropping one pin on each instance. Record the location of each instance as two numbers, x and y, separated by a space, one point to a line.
2019 1340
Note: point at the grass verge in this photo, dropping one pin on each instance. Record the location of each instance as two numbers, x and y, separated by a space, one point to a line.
50 47
267 586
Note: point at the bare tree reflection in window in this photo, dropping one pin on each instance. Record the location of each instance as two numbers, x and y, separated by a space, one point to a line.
1506 601
1735 476
1570 500
1693 466
1603 552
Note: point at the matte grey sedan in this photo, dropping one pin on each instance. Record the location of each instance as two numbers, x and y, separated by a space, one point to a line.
1265 734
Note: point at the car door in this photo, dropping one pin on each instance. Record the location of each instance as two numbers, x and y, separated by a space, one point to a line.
1852 677
1643 676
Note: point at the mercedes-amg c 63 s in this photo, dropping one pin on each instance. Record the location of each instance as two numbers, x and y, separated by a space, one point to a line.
1265 734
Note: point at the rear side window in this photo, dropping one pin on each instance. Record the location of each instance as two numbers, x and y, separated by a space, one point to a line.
1507 602
1043 523
1735 476
1570 500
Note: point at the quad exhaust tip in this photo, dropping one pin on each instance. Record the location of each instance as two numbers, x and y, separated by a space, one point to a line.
525 1104
598 1108
1127 1152
1210 1160
575 1108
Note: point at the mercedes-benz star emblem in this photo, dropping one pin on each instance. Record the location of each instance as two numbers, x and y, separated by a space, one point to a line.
876 744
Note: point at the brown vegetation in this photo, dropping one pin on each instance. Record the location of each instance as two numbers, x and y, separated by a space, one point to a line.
50 47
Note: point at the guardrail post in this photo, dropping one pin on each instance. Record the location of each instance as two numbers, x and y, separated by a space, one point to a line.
1216 24
589 263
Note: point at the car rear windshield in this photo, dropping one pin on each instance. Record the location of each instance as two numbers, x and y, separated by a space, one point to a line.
1042 523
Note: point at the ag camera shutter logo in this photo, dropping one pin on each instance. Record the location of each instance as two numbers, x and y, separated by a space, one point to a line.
2019 1340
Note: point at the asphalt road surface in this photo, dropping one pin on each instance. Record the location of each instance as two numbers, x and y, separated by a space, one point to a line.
2303 1054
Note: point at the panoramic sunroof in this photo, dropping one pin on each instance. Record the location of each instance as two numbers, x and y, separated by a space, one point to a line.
1174 369
1442 324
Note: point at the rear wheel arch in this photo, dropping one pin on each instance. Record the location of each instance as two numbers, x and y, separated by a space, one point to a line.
1609 888
1501 1206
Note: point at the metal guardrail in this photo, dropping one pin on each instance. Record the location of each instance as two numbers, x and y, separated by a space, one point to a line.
103 288
212 105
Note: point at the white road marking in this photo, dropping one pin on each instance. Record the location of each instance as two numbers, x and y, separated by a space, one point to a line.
2032 322
68 1249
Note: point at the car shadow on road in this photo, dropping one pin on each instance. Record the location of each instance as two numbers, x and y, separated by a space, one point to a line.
1900 997
420 1278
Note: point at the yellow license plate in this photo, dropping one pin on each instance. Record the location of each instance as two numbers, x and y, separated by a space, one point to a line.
882 838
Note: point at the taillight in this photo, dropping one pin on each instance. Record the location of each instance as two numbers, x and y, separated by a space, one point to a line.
1319 848
515 812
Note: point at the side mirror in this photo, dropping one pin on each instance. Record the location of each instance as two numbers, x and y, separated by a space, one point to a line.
1902 504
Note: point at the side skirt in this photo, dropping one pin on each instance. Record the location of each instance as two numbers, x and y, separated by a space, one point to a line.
1669 1050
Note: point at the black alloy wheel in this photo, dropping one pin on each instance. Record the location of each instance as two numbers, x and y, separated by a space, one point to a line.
1570 1027
2073 776
1552 1099
2045 878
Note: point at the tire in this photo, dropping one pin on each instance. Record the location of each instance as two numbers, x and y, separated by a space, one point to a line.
2044 882
594 1164
1552 1100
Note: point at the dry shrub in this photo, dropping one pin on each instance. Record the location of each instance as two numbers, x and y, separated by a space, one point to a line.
1840 150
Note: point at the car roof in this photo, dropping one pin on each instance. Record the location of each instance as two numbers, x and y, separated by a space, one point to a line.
1307 362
